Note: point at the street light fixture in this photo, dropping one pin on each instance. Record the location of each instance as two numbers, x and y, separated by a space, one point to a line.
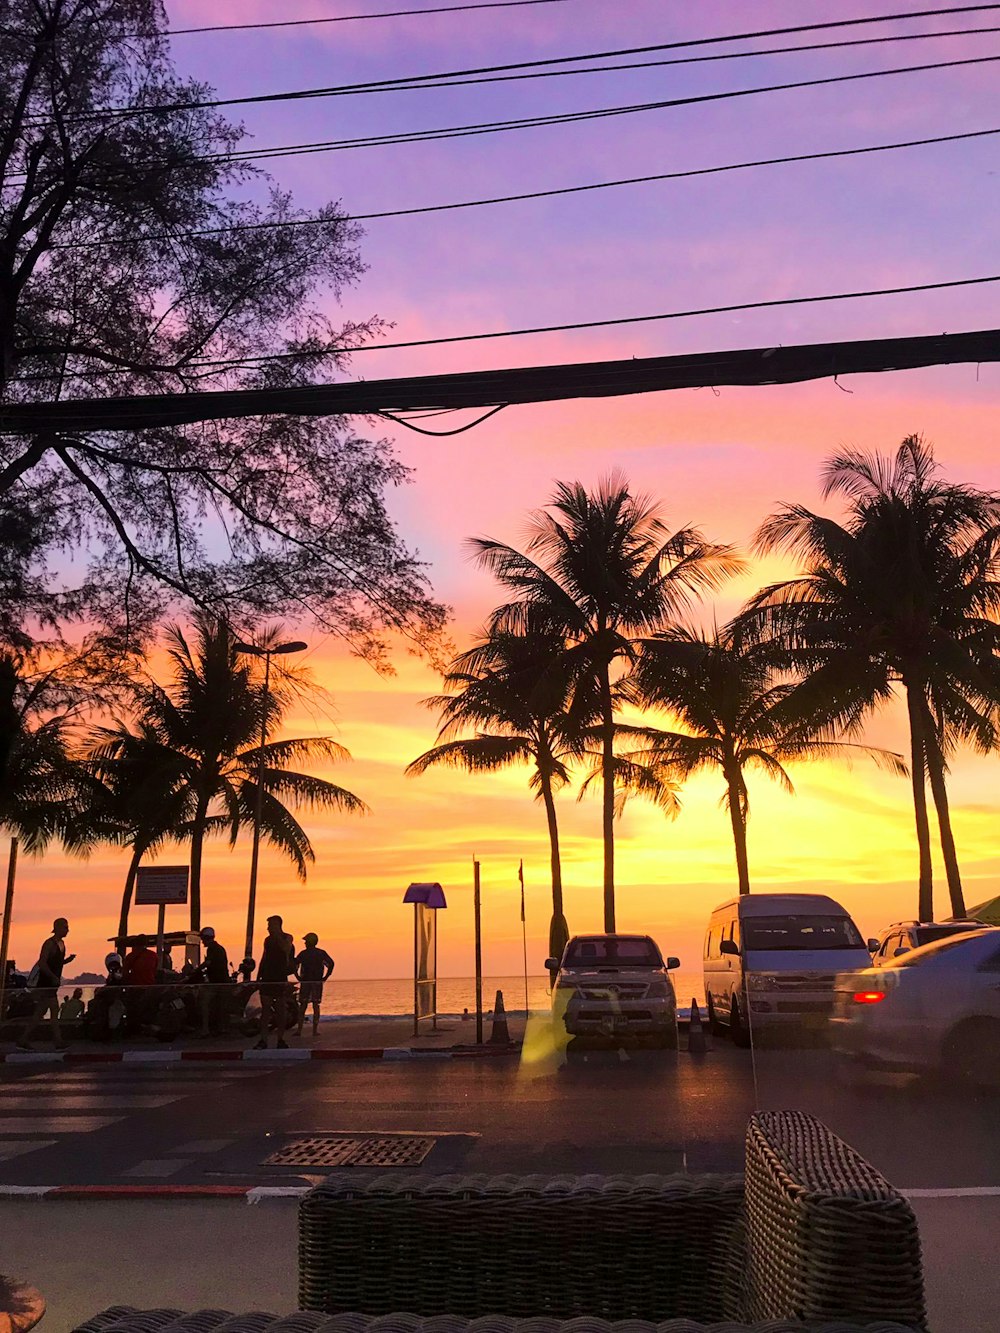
255 650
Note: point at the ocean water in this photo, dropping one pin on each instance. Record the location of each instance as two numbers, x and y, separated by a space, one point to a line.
390 998
352 999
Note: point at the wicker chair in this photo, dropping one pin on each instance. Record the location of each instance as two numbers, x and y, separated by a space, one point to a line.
819 1235
817 1240
124 1320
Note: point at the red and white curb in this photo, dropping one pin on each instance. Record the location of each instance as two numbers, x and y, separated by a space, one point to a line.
104 1193
270 1056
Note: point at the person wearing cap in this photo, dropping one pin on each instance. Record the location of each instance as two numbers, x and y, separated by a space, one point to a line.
312 967
277 961
213 973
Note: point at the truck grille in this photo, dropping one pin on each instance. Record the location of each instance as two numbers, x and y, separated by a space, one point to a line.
623 990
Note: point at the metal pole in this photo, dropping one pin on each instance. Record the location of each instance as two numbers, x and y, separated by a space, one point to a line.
8 907
161 921
258 806
476 907
434 991
524 940
416 983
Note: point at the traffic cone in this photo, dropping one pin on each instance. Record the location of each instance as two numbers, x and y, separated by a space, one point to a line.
696 1033
499 1036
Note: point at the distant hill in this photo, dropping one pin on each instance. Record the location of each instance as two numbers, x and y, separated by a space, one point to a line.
85 979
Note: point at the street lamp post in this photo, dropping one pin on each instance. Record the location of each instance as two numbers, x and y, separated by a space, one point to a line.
280 650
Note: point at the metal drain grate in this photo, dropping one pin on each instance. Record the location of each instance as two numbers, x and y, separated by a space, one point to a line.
354 1150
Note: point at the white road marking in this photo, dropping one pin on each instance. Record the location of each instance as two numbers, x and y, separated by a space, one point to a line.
157 1167
28 1124
18 1147
958 1192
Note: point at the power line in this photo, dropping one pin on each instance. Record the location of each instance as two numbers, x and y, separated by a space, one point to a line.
573 117
333 90
356 18
445 81
540 194
636 319
209 365
524 384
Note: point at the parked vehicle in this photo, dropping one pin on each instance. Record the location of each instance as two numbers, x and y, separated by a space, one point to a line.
906 935
933 1009
771 960
616 986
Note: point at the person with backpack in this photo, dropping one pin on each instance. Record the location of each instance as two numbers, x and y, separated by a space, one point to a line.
312 967
44 983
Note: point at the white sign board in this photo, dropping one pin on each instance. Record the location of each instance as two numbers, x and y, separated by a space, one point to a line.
161 884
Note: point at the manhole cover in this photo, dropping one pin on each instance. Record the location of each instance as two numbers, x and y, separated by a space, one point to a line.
357 1150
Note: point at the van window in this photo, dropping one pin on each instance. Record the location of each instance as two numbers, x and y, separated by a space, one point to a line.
734 931
801 932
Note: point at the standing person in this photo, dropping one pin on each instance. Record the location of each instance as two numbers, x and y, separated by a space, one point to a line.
276 962
213 973
312 967
139 971
44 981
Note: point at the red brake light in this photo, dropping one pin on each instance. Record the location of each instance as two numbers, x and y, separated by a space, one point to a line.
868 996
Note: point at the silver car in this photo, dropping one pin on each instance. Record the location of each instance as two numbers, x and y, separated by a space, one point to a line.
935 1009
616 986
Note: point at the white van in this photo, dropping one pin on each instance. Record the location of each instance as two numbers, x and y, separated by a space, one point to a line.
772 958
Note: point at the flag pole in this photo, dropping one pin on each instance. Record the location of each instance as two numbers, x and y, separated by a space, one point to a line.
524 937
477 917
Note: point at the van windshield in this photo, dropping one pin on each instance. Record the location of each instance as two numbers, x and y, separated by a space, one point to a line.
637 952
801 932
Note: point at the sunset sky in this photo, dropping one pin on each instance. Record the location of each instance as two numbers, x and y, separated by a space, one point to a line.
719 459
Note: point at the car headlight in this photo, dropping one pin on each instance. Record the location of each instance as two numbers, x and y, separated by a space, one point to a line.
659 989
761 981
565 983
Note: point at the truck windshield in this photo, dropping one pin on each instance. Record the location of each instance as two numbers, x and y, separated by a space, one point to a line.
594 952
801 932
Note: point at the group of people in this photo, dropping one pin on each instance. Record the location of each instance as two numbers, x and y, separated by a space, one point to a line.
131 979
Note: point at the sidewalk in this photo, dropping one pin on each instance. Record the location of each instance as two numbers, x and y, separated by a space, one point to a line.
359 1038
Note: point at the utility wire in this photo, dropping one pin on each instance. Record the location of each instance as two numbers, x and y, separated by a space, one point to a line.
248 361
538 194
572 117
356 18
306 93
637 319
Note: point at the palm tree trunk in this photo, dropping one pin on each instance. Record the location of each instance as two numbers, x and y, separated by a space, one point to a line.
197 843
608 803
925 886
138 850
739 823
558 929
939 790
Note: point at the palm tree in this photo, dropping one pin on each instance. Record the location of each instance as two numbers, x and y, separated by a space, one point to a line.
129 804
734 715
38 780
602 567
197 743
903 595
509 691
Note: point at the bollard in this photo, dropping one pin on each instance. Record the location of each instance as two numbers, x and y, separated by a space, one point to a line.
696 1033
499 1035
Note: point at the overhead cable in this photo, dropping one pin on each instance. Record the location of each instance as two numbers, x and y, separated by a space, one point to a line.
358 18
332 90
537 194
210 365
493 388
